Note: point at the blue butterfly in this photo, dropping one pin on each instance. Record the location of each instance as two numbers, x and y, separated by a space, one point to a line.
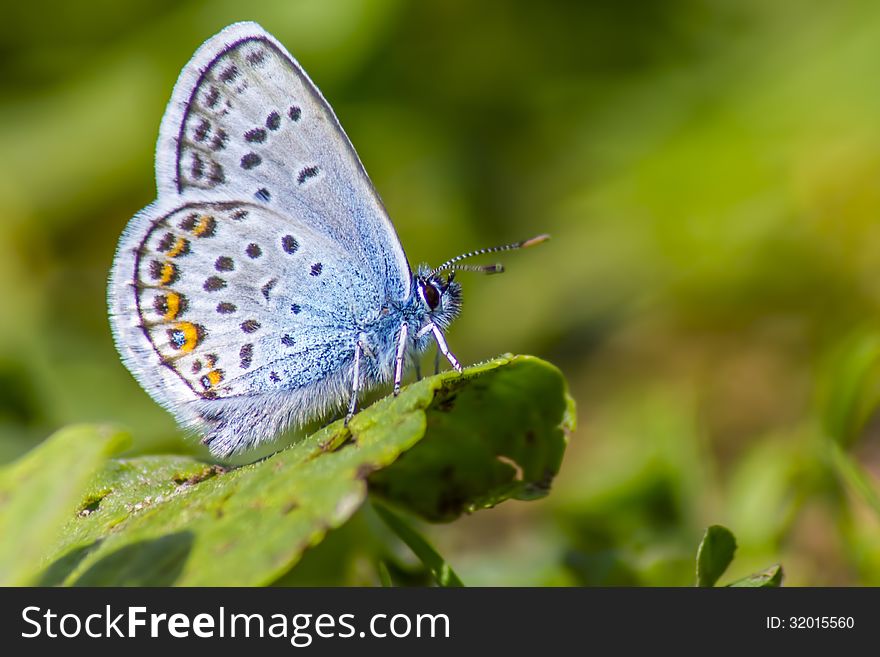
266 284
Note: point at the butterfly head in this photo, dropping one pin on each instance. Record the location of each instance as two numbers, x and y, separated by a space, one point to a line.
439 294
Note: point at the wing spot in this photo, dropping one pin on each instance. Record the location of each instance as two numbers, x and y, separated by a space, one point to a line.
224 263
197 167
164 272
170 306
289 244
273 121
255 135
316 269
166 242
226 308
287 341
267 288
229 74
295 309
219 141
273 377
246 355
214 283
212 97
306 173
196 366
216 176
181 247
294 113
239 215
250 326
250 160
201 131
186 336
256 57
253 250
263 194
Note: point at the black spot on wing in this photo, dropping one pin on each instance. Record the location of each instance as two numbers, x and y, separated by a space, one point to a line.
289 244
213 284
316 269
224 263
250 160
263 194
253 250
306 173
250 326
245 355
255 136
273 121
226 308
267 288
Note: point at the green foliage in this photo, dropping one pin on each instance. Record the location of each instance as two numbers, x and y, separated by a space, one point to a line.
174 520
40 491
442 571
715 554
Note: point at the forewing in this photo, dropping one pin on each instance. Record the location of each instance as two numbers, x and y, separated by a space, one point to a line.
246 123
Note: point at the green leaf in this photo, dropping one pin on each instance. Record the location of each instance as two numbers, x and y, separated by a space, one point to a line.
855 476
770 578
493 433
163 520
40 491
851 388
442 571
714 554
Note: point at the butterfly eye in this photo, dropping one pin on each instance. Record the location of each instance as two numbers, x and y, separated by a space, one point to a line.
432 295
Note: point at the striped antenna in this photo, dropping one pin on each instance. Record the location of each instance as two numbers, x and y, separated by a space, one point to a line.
490 269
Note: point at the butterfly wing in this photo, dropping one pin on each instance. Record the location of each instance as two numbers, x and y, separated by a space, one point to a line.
245 122
237 319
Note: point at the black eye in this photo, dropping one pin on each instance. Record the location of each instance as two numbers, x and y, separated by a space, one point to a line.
432 295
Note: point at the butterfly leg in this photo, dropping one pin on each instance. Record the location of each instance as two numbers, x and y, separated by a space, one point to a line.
398 358
441 344
437 362
355 382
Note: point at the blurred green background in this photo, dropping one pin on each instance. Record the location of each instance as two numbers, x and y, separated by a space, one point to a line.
709 171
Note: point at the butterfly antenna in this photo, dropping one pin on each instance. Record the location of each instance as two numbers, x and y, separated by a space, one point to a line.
488 269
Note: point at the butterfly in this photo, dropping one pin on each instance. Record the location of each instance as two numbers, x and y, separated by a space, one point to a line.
266 285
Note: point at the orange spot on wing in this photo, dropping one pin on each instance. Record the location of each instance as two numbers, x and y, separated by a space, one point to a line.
204 225
215 377
173 302
191 336
178 247
167 274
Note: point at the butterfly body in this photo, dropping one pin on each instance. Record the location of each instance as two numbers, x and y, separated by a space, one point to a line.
266 285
